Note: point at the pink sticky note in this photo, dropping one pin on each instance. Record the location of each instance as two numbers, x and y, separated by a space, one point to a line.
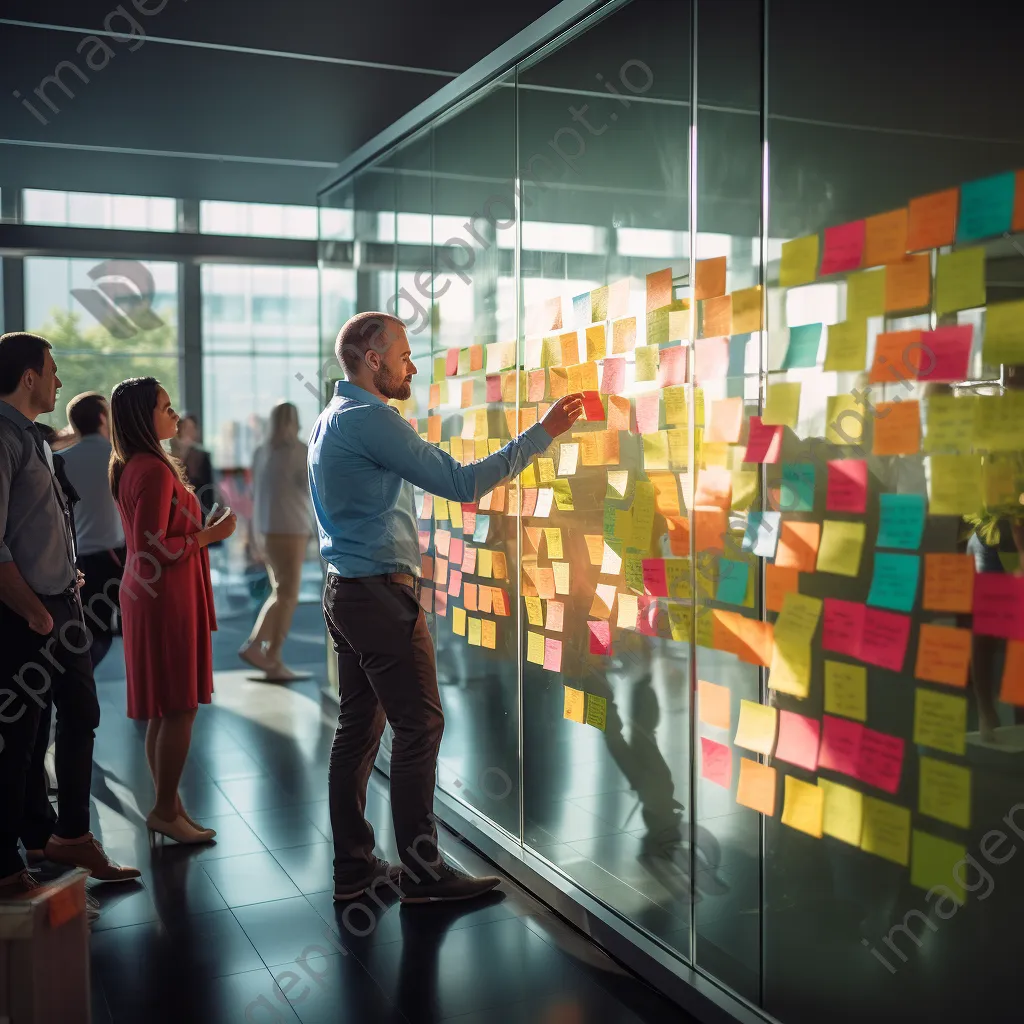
552 654
426 599
881 760
455 582
945 353
764 443
428 507
840 745
655 580
529 501
600 637
451 362
494 387
648 411
593 406
556 616
613 376
468 520
715 762
442 542
798 740
726 421
844 625
441 571
469 560
999 605
647 615
885 636
440 602
710 359
672 366
847 485
536 383
455 550
844 248
424 536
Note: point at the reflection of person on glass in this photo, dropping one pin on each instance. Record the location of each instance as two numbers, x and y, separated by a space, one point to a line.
362 458
282 522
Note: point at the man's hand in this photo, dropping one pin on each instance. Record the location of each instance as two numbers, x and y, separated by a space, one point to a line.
563 414
40 622
80 582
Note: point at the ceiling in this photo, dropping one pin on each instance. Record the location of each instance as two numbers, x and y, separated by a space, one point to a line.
224 99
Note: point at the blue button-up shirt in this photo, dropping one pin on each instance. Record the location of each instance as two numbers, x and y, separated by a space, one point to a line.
363 459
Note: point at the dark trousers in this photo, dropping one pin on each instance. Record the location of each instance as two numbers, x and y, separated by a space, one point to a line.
386 672
37 672
101 598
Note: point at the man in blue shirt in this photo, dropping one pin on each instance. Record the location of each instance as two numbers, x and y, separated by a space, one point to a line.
363 456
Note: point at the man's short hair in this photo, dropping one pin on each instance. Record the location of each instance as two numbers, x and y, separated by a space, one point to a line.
20 351
359 334
85 412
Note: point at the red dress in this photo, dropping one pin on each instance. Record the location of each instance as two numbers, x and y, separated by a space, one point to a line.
166 594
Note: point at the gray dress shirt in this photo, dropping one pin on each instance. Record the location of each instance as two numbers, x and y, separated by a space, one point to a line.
35 532
97 521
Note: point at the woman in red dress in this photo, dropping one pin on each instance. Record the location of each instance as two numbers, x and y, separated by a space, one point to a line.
166 595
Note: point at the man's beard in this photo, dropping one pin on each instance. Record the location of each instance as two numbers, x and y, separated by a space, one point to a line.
390 385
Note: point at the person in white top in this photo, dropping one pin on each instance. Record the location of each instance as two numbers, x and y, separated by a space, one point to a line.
282 521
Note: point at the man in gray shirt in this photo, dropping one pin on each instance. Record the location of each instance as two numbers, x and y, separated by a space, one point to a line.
43 657
98 530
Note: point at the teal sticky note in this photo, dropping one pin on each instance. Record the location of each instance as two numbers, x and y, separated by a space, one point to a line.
581 310
986 207
761 535
902 520
894 584
483 525
796 493
732 581
804 342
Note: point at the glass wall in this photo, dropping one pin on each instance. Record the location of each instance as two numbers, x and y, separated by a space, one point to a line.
758 686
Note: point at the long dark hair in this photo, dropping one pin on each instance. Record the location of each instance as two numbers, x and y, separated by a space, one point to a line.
132 403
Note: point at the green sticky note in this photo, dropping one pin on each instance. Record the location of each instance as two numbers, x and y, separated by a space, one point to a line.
960 280
797 491
986 207
894 583
865 294
633 571
902 521
732 581
597 711
847 348
439 368
933 863
646 362
804 342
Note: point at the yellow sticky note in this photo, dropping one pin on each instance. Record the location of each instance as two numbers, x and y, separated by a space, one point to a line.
886 831
950 422
790 670
744 488
955 486
799 263
798 619
441 509
534 612
841 545
485 563
553 536
756 727
843 813
458 620
934 864
1004 333
561 577
756 788
675 406
597 711
563 495
546 470
535 648
489 633
656 450
628 611
846 690
746 310
455 511
960 280
803 806
944 792
865 294
528 477
574 704
680 621
474 631
646 362
844 418
847 349
999 423
782 406
940 720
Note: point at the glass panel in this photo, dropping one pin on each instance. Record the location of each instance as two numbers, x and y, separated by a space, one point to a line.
264 220
97 210
123 311
605 654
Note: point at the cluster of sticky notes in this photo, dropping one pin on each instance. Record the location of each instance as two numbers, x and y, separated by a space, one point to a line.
585 708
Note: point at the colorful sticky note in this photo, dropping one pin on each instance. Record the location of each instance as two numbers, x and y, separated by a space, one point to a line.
847 348
884 639
943 654
944 791
844 248
1012 691
908 284
886 830
600 637
897 357
955 484
798 619
880 763
796 492
846 690
799 737
764 442
844 419
573 704
1004 333
945 353
798 545
802 350
732 581
840 745
948 583
726 421
960 280
847 485
709 278
756 787
843 814
672 366
761 535
935 863
841 546
885 238
894 582
803 806
844 625
597 711
613 376
552 654
755 729
902 522
931 220
865 295
999 605
593 408
715 762
782 405
986 207
747 310
897 428
778 582
940 720
799 263
710 359
716 317
713 704
659 289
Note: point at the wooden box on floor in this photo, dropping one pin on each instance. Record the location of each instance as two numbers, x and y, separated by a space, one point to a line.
44 955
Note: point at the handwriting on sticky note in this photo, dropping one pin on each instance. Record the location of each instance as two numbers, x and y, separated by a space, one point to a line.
897 428
844 248
865 294
932 220
802 807
841 546
940 720
908 284
573 704
799 738
847 346
894 582
943 654
715 762
756 727
846 690
782 407
799 264
552 654
885 238
843 812
798 545
886 830
840 745
600 637
880 762
902 523
999 605
884 639
944 791
847 485
844 626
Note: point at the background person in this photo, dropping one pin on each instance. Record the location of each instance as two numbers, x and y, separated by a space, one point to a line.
185 447
101 549
282 522
40 610
167 597
362 458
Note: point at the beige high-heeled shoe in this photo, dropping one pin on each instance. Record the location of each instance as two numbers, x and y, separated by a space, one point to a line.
209 832
179 830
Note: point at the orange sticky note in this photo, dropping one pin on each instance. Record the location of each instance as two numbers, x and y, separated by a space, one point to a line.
467 391
943 654
1012 691
659 289
434 399
597 344
618 413
746 310
624 335
897 428
756 788
885 239
714 487
717 317
713 704
433 429
710 526
948 583
779 580
931 220
1017 222
726 421
908 283
709 278
798 546
570 347
897 357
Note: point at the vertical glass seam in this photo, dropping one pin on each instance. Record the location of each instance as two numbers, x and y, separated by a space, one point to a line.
517 199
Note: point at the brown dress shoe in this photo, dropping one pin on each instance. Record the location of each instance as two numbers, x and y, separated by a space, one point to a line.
17 886
87 853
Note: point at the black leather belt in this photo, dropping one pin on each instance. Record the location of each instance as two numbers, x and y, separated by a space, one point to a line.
404 579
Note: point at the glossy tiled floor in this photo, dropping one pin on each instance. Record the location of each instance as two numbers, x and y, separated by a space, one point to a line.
245 929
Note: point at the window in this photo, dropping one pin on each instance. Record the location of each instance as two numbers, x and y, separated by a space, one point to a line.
98 210
264 220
